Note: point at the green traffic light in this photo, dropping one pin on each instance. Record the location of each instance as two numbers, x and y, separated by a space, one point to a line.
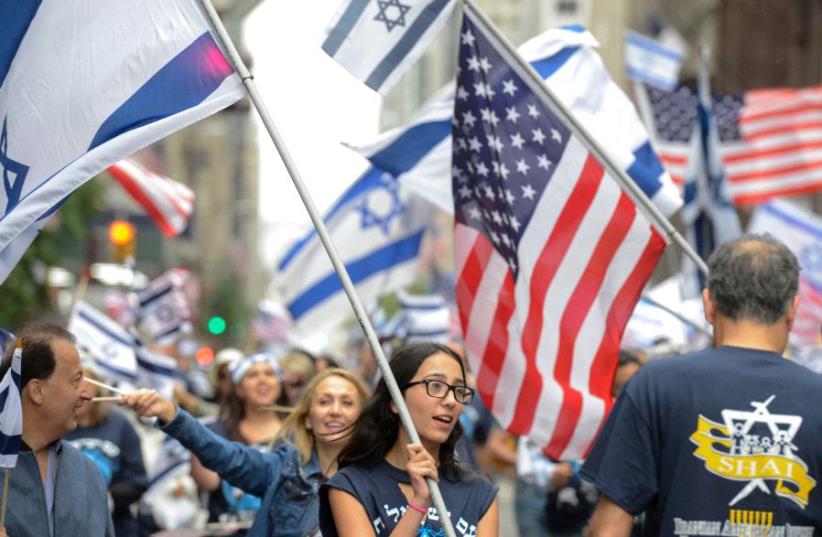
216 325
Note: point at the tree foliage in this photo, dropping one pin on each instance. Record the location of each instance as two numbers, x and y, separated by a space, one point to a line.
25 295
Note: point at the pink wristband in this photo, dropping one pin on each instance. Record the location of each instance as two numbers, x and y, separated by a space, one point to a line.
418 508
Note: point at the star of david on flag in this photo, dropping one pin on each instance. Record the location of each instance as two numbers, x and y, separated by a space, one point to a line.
378 40
387 189
392 13
551 255
378 228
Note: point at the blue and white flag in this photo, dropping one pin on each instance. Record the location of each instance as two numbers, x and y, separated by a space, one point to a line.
420 318
377 227
11 411
378 40
709 213
156 371
164 312
649 61
84 84
111 347
171 497
419 154
6 338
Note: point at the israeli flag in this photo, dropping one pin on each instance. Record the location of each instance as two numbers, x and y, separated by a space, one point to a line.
421 318
156 371
709 213
6 339
377 227
86 83
419 154
164 313
110 346
11 411
649 61
378 40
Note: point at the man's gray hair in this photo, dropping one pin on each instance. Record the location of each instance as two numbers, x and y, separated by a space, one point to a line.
754 277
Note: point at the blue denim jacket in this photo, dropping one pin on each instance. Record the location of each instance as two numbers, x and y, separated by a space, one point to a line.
80 506
290 505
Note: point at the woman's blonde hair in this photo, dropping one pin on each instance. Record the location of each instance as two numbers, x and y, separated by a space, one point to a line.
294 429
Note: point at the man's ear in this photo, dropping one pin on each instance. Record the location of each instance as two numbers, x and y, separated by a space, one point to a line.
35 389
791 315
708 306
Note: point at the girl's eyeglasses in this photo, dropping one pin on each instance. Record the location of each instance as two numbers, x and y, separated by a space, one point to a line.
440 389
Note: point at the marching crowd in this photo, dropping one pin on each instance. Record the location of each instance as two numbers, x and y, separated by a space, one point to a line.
294 445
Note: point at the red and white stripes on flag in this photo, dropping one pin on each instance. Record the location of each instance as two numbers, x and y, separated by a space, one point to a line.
808 323
272 323
167 202
771 139
550 256
784 128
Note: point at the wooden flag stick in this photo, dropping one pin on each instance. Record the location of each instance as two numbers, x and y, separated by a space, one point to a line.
6 478
105 399
105 386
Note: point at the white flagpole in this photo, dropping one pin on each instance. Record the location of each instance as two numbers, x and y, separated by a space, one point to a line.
676 314
538 85
322 232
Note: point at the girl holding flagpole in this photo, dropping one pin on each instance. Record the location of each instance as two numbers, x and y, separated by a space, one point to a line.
305 453
381 487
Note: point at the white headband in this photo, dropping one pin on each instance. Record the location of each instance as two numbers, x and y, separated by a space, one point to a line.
239 368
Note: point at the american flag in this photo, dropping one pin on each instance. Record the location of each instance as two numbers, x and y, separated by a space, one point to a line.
272 324
551 255
167 202
771 140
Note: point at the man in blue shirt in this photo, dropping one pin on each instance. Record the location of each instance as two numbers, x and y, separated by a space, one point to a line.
54 489
723 441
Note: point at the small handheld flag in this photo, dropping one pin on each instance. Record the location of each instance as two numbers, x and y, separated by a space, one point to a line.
11 421
11 411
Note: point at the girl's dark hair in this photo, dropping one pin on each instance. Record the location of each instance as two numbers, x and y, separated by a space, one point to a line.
376 430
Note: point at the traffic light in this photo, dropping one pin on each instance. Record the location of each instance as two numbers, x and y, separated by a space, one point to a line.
204 356
122 236
216 325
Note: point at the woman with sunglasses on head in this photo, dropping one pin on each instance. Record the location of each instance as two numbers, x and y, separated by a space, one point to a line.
381 486
305 453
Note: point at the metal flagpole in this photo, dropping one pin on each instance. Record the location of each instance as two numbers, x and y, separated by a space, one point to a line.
322 232
676 314
557 107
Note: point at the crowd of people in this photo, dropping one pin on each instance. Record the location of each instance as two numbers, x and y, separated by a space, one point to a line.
291 445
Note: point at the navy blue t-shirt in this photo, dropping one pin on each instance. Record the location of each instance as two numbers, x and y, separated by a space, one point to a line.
717 442
378 491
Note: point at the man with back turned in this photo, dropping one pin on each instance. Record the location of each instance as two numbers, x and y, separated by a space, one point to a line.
724 441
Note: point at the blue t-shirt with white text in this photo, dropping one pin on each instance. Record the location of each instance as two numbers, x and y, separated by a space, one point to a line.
378 491
720 442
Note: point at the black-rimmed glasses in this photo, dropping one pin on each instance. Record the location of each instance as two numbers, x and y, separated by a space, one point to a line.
440 389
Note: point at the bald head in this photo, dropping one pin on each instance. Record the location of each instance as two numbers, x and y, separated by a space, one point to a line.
753 278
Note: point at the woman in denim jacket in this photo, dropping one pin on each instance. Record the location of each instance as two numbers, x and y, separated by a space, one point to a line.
289 477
